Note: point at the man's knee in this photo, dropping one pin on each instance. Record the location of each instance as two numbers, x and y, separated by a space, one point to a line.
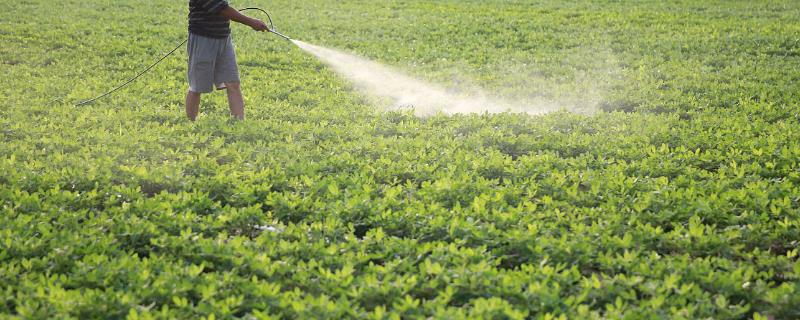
235 86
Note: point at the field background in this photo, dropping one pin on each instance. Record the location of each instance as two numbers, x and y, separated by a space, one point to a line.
679 197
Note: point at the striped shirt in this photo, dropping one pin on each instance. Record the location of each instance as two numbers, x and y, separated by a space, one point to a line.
205 20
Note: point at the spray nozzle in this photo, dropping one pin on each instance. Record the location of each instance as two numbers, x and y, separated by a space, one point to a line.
280 34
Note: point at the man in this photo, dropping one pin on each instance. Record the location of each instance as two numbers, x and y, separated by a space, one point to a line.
212 60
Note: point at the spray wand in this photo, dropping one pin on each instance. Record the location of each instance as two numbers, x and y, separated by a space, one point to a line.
271 30
271 25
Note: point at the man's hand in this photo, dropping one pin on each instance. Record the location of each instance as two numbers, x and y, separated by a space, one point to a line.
237 16
258 25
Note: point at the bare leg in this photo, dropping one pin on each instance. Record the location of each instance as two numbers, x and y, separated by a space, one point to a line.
192 104
235 100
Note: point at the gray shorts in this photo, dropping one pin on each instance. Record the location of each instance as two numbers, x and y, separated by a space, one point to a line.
211 62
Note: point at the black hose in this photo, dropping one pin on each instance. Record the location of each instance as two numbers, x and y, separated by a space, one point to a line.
132 79
271 26
271 29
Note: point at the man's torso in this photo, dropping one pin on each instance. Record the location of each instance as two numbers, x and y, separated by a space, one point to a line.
205 20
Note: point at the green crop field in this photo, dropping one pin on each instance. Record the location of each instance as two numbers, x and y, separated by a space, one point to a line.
676 197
